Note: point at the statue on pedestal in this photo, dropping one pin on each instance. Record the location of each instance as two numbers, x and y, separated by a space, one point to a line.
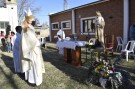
99 26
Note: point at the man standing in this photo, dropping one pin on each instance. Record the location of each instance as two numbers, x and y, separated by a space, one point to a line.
16 42
60 34
99 24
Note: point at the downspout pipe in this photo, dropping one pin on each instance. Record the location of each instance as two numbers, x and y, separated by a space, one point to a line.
126 22
73 21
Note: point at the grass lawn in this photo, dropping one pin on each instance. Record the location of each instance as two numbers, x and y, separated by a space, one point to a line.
59 75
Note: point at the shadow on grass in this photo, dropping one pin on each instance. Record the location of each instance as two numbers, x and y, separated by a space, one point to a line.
132 70
8 62
52 48
78 74
127 84
132 78
10 78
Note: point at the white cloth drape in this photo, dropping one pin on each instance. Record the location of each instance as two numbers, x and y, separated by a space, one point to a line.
70 44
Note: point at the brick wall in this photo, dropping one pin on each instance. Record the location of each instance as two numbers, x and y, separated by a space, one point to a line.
132 11
112 11
58 18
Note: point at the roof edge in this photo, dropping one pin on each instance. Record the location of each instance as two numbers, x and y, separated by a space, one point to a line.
78 7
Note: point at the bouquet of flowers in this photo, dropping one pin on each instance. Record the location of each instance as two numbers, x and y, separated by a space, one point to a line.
89 44
101 69
103 72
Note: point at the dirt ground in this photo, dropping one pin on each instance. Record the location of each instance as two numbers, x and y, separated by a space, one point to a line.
59 74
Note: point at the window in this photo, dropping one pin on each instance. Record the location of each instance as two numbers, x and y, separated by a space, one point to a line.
6 24
55 26
66 24
3 25
88 25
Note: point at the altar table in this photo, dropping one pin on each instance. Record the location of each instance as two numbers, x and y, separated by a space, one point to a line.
72 51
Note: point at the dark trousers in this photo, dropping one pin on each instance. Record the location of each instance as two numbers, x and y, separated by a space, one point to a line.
9 46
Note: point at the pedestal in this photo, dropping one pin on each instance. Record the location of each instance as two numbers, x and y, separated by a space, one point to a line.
73 56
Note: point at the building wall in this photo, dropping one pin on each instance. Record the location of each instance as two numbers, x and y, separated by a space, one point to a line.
9 14
132 11
58 18
4 16
13 17
112 11
44 32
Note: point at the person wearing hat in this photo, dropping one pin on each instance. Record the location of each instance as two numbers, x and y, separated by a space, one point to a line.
32 60
99 24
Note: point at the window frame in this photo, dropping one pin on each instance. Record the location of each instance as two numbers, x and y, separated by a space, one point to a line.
66 22
53 27
4 24
81 24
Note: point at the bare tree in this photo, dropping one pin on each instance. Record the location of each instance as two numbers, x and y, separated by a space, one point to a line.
37 22
24 5
45 25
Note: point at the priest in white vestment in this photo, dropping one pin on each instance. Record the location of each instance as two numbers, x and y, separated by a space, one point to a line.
61 36
32 61
16 42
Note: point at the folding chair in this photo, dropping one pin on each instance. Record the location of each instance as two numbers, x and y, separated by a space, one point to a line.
120 44
129 49
109 43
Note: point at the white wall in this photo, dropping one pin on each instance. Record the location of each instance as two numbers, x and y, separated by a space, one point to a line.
13 16
4 16
10 15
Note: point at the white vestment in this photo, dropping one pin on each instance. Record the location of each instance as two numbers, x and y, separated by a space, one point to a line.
61 34
16 42
32 62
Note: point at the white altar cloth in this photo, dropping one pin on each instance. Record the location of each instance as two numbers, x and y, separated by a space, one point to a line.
70 44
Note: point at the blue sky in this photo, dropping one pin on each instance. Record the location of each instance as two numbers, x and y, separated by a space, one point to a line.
52 6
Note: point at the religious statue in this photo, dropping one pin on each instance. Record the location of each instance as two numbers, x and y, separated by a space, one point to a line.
99 26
